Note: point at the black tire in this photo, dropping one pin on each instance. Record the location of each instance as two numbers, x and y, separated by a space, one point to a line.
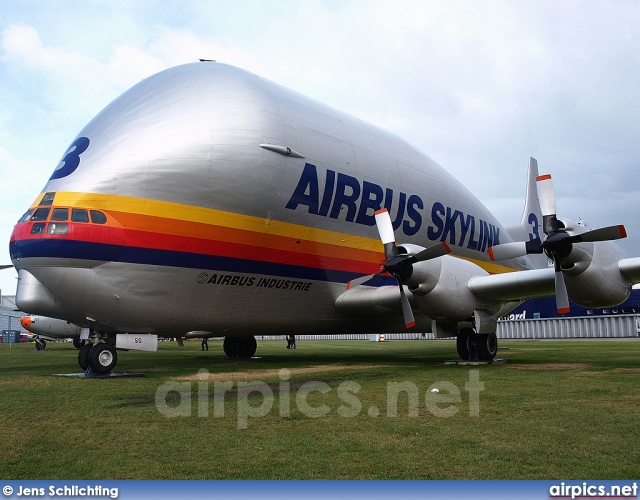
463 343
77 343
83 356
487 346
230 348
240 347
41 345
247 347
103 358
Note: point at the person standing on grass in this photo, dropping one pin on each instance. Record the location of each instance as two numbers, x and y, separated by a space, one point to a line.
205 344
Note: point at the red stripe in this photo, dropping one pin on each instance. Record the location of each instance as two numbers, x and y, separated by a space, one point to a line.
339 259
543 177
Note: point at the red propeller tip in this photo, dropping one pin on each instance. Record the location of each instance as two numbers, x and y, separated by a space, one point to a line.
411 325
543 177
623 231
491 256
382 210
565 310
446 247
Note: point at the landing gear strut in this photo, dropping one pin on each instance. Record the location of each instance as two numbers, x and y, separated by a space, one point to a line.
240 347
485 345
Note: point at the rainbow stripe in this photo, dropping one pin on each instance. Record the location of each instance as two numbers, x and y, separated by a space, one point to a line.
170 234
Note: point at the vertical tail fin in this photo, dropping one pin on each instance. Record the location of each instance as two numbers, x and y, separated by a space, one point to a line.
530 226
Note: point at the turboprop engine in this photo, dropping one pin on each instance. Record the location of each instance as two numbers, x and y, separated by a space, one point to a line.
586 272
440 288
438 283
591 272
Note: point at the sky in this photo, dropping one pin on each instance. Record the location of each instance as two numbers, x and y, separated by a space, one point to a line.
479 86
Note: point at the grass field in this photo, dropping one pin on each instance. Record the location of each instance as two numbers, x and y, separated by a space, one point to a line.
558 410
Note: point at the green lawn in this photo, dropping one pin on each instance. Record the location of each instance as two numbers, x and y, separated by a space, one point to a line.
344 409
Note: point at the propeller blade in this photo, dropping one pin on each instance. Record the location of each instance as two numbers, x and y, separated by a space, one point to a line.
407 313
602 234
385 227
6 266
547 199
562 298
508 251
546 195
432 252
362 279
515 249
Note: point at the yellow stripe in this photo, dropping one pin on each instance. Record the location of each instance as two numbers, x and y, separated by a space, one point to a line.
177 211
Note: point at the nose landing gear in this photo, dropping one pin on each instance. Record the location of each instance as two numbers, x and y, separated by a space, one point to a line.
98 358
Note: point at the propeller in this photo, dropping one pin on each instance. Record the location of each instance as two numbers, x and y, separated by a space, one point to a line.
399 266
558 243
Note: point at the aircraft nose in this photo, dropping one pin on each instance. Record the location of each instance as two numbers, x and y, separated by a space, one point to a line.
26 322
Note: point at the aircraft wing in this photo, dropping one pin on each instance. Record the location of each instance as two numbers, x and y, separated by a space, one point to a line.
630 269
507 287
514 286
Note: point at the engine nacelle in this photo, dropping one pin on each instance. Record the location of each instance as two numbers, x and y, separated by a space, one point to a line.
440 289
593 277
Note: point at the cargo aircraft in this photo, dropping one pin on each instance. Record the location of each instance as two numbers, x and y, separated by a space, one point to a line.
209 200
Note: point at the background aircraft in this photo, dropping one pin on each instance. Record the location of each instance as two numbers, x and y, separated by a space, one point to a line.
44 329
209 199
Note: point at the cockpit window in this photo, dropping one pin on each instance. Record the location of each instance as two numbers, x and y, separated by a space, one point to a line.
26 216
98 217
47 199
37 228
41 214
60 214
58 228
79 215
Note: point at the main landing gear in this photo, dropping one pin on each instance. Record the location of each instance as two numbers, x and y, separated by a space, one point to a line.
240 347
100 358
476 347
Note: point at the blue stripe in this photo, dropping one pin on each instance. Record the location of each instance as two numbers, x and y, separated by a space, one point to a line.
85 250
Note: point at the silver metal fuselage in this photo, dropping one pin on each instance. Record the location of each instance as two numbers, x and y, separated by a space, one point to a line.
208 230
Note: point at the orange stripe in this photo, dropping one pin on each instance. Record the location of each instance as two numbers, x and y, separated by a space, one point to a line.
163 226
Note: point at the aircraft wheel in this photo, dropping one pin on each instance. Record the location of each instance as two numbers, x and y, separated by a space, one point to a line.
247 347
41 345
229 345
103 358
240 347
83 356
487 346
77 343
462 343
